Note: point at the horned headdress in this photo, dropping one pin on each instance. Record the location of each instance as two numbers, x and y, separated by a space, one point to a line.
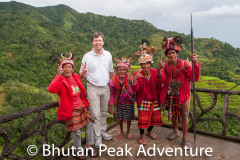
68 59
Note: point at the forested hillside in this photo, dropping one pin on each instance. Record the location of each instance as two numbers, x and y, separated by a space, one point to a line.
29 35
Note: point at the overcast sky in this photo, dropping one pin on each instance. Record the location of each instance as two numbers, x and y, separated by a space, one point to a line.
211 18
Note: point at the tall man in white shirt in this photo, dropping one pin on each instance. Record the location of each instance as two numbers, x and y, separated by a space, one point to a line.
97 66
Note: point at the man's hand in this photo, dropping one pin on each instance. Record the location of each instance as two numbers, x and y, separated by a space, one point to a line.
83 71
84 68
193 58
161 63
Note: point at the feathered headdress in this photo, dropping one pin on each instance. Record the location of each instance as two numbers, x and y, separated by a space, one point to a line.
172 43
146 52
68 59
123 61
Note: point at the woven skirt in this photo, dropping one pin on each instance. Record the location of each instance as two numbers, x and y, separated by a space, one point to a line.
125 110
80 118
144 115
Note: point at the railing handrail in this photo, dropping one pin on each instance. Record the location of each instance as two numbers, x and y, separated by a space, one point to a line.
27 112
220 91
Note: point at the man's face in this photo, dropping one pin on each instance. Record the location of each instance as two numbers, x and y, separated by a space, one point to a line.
98 43
172 55
67 70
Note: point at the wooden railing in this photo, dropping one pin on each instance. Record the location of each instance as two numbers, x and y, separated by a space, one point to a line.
223 119
8 148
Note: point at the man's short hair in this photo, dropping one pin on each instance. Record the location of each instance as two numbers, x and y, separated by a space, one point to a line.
97 34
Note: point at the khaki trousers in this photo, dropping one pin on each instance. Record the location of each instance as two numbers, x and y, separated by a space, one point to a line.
98 98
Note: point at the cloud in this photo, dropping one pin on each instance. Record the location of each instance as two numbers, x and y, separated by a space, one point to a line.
223 11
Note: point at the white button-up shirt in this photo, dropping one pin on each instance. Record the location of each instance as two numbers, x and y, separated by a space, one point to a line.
98 67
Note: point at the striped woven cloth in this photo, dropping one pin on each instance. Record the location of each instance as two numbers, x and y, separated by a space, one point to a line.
80 118
146 105
144 116
125 110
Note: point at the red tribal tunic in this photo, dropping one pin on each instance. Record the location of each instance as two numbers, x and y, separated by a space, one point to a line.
140 87
183 73
171 96
61 86
149 112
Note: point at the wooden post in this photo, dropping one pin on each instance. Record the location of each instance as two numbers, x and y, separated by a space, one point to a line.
43 127
225 109
43 130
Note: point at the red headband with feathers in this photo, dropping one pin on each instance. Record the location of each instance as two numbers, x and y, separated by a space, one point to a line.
172 43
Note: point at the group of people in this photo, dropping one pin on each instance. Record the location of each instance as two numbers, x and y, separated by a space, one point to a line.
152 89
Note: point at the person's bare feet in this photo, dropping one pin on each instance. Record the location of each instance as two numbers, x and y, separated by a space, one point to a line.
129 136
151 135
142 141
120 136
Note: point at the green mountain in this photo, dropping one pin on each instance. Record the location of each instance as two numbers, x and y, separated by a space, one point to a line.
30 35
